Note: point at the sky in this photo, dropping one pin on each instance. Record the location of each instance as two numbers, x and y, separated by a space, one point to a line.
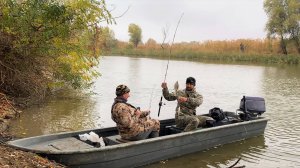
202 19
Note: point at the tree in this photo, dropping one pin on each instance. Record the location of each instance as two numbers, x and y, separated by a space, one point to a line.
283 21
48 43
107 38
276 18
293 21
151 43
135 33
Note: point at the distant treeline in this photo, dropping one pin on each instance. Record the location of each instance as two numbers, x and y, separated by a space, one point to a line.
259 50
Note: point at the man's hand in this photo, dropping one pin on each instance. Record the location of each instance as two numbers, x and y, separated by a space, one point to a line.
164 85
182 99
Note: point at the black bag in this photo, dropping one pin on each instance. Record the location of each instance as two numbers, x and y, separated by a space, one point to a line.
254 105
217 114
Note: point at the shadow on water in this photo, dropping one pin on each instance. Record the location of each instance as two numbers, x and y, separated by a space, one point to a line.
221 156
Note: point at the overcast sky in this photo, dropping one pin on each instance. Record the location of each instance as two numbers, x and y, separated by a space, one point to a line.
202 19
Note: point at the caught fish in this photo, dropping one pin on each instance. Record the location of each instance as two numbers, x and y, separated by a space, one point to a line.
176 87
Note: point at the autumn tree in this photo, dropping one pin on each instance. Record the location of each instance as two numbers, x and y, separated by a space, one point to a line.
151 43
107 38
135 33
48 43
283 21
293 21
276 18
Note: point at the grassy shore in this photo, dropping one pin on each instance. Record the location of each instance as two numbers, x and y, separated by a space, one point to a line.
230 57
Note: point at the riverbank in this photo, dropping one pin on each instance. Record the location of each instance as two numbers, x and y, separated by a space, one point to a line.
7 112
11 157
222 57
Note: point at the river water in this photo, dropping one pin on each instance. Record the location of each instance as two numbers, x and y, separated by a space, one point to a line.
222 85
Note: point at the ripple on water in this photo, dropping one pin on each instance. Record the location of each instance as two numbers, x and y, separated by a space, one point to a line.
280 86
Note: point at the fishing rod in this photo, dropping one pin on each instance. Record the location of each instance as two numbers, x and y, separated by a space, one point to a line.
162 46
170 52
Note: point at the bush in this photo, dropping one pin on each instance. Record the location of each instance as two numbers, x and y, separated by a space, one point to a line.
49 43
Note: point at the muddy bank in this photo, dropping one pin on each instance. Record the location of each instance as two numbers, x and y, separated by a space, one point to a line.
10 157
7 112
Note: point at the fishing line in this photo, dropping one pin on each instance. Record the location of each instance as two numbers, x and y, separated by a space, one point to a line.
170 53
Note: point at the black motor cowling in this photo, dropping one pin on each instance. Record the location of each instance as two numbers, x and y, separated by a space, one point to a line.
251 107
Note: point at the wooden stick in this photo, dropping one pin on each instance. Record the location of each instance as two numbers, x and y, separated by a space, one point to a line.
9 103
232 166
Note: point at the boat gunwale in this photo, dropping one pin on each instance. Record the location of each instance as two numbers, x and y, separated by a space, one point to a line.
14 143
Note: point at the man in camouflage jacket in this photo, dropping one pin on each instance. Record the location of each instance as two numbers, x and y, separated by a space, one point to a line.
188 100
132 123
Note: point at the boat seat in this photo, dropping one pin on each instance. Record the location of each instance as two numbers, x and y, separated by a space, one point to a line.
172 129
117 139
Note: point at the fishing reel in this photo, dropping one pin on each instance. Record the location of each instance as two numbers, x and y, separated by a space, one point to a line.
161 103
176 87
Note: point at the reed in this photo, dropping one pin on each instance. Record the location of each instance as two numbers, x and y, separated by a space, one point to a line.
255 51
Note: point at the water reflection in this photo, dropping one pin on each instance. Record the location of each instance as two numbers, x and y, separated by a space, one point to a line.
221 156
282 88
66 111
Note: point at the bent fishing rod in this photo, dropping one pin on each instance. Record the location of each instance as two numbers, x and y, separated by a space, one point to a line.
170 52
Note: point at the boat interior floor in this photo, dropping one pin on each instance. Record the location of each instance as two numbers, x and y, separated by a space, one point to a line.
117 139
173 129
64 144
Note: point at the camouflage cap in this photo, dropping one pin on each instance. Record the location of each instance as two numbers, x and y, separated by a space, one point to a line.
122 89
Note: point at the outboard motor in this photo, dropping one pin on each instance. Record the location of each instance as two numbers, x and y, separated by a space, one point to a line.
251 107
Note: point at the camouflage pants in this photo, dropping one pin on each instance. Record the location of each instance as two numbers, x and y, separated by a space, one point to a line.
189 123
152 127
151 124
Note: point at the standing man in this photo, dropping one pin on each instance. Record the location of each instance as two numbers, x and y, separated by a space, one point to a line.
188 100
132 123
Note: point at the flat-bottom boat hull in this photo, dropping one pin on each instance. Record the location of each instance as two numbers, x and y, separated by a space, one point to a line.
138 153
